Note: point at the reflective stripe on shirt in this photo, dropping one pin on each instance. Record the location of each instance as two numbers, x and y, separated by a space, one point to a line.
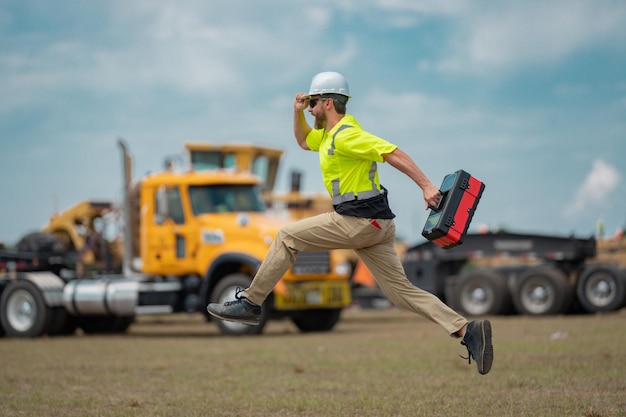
339 198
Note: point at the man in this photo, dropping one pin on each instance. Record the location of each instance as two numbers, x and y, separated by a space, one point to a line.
362 219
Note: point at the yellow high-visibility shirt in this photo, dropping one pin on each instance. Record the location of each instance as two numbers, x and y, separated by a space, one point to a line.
348 156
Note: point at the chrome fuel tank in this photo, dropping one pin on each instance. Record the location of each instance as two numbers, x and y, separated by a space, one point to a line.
101 297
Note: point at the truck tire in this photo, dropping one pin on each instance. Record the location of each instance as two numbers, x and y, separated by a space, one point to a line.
105 324
62 323
479 293
225 291
23 311
601 288
318 320
2 332
541 291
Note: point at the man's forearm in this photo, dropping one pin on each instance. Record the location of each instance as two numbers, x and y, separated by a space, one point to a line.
405 164
300 128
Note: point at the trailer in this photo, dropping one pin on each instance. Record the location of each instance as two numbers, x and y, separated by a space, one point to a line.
37 251
530 274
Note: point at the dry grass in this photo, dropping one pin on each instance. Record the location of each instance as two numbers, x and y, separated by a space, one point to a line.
375 363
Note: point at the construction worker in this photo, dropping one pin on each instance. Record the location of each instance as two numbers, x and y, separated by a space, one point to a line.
362 219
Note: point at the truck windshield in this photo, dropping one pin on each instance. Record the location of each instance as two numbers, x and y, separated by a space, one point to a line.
224 199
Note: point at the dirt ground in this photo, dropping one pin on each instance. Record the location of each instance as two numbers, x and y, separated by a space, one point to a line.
374 363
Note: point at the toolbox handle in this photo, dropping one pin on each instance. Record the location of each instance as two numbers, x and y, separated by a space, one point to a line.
441 201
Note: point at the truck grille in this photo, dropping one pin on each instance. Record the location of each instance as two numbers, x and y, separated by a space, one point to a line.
308 263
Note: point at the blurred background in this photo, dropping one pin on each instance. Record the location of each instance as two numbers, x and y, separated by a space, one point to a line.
529 97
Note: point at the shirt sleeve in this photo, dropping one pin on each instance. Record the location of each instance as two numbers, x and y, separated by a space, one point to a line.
363 145
314 138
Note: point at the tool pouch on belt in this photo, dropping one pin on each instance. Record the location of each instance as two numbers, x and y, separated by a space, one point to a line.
372 208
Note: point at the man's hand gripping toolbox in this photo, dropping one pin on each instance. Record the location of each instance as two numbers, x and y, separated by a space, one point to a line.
447 223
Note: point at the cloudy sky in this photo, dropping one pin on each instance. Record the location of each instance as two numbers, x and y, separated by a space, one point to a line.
528 96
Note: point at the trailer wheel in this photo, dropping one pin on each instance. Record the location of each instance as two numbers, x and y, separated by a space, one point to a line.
225 291
480 293
23 311
601 288
318 320
542 291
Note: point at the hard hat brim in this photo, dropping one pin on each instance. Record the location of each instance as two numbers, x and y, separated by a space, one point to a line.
308 96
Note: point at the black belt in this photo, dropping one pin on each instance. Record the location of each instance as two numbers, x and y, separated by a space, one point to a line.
371 208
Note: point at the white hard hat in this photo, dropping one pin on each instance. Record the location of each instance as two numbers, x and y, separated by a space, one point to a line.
329 82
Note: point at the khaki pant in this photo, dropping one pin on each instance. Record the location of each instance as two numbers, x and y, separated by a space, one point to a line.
374 245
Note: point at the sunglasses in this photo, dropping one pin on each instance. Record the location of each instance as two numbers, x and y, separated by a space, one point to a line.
313 101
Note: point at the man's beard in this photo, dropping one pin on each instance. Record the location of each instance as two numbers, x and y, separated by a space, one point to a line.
320 121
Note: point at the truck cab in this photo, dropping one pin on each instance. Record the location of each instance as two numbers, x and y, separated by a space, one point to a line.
187 219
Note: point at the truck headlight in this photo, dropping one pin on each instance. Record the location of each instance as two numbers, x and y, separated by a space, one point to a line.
343 268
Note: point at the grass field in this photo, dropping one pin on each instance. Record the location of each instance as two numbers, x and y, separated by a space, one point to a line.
375 363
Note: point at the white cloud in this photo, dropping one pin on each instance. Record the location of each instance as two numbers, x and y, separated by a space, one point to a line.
344 55
598 184
207 49
203 49
503 35
430 7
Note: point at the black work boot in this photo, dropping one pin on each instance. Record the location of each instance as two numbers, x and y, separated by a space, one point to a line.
477 340
239 310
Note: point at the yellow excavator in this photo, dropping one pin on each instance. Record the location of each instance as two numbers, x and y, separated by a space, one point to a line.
83 234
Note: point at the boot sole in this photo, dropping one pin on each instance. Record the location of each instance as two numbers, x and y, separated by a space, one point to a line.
486 357
249 322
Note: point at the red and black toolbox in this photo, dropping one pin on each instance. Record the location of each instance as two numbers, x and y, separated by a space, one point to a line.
447 224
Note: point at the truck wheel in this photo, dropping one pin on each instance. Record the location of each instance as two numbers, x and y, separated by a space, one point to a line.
601 288
105 324
23 311
62 323
321 320
225 291
542 291
480 293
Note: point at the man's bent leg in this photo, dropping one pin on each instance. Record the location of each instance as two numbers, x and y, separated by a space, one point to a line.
383 262
325 231
321 232
386 268
277 262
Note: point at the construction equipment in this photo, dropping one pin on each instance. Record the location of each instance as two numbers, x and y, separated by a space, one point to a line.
263 162
507 273
498 273
190 238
